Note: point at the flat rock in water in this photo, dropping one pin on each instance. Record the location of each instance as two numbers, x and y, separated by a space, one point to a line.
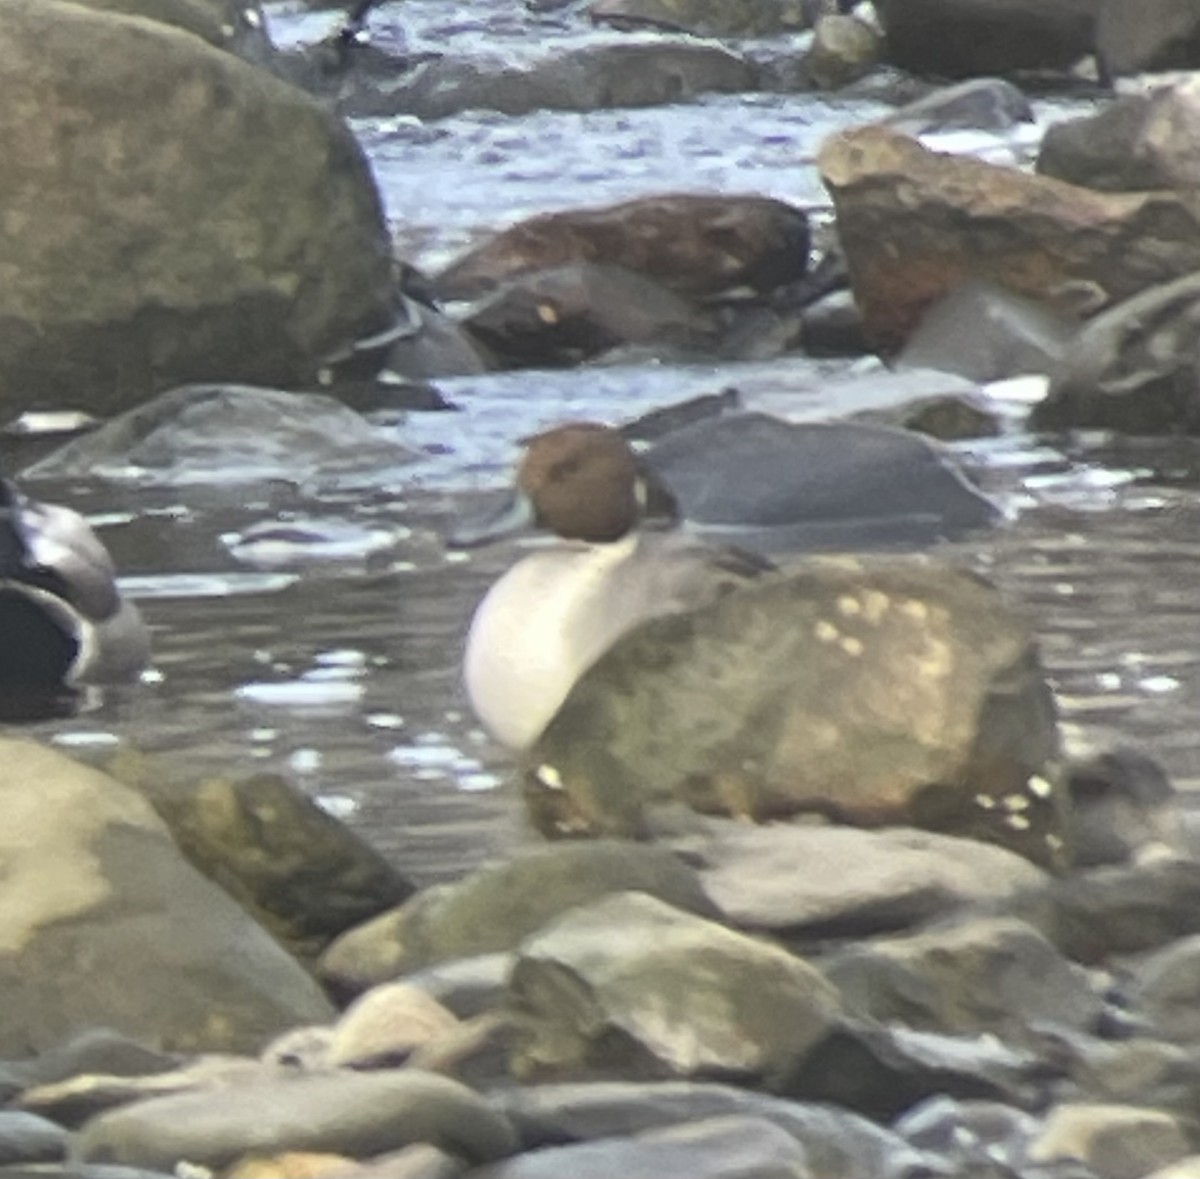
874 691
221 433
357 1114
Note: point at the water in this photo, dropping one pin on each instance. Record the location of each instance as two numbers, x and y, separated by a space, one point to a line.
336 663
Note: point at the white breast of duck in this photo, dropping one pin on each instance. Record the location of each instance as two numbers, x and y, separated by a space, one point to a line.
551 616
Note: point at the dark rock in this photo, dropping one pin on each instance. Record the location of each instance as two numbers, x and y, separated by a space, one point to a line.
732 1147
1132 368
916 224
704 18
496 907
981 104
92 879
813 486
357 1114
28 1138
573 313
975 977
949 417
873 691
982 331
211 433
593 77
695 245
1150 35
952 39
631 987
1139 142
838 1143
300 872
882 1072
107 301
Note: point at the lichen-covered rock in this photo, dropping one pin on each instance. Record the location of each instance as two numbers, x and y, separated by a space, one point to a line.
875 692
170 213
915 224
104 923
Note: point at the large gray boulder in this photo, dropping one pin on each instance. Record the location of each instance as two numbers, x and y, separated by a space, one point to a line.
170 214
104 923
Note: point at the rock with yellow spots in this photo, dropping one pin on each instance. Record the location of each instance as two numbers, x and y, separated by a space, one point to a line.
875 693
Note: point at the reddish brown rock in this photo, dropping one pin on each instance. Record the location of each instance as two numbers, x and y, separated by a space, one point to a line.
695 245
915 224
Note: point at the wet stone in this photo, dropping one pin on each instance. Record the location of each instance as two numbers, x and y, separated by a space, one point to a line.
28 1138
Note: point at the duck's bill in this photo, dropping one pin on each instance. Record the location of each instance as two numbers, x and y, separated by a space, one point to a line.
514 515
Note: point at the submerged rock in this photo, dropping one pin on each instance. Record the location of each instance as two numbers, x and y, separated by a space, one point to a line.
225 433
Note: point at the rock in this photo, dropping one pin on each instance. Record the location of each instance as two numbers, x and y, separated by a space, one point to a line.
843 50
356 1114
1186 1168
91 879
224 433
973 1134
1163 990
1115 1141
28 1138
881 1072
94 1050
292 1164
498 906
595 76
573 313
467 986
949 417
978 104
916 224
1139 142
837 1142
951 39
420 1161
1091 916
852 883
386 1024
878 691
1123 808
299 871
631 986
696 245
234 25
109 299
704 18
982 331
735 1147
977 977
1132 367
815 485
1151 35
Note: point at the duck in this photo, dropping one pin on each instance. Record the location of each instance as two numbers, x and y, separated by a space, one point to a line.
616 558
63 620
